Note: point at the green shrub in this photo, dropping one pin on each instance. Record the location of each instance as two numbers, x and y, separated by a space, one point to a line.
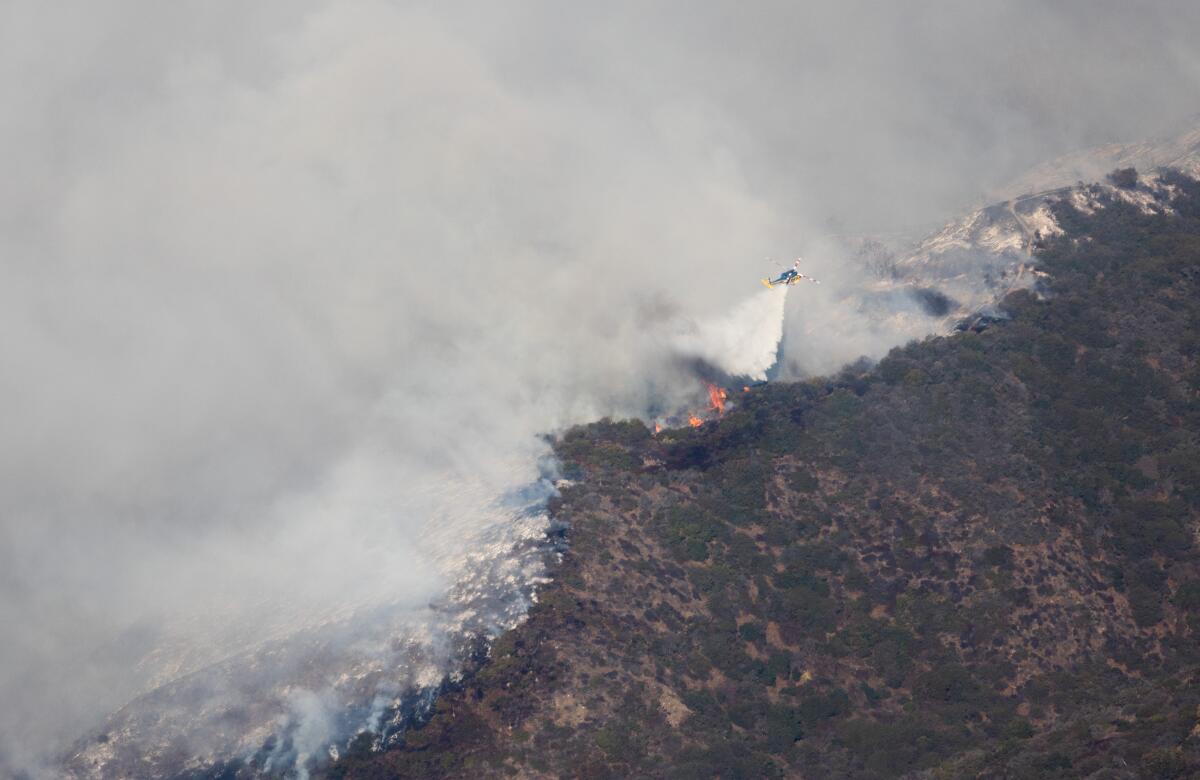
1146 605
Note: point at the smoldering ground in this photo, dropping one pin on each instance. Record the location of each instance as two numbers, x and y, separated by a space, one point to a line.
289 291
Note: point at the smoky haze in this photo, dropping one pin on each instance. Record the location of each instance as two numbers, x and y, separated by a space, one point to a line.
289 291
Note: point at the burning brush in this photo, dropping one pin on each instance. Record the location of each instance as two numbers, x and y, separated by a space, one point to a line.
717 397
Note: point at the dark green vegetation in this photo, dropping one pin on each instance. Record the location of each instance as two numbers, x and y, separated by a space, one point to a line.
978 559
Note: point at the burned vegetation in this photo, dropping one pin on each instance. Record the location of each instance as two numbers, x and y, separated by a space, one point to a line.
977 559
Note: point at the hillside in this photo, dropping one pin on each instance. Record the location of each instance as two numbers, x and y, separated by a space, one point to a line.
975 559
1180 151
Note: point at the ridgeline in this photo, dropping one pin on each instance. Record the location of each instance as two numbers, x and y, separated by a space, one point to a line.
978 558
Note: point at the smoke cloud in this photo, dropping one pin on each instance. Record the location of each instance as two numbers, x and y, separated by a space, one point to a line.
743 342
289 291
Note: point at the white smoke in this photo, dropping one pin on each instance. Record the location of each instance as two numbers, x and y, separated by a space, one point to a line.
743 342
850 315
309 715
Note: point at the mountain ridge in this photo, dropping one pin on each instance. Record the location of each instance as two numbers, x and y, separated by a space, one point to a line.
976 559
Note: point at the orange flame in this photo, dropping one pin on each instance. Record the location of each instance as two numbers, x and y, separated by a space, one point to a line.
716 398
695 421
657 428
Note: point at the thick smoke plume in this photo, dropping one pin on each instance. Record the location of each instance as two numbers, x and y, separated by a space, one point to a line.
744 342
289 291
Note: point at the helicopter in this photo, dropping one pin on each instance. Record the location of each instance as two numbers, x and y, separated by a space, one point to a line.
790 276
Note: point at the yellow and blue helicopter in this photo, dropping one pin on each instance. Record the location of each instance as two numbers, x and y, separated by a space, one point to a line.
789 277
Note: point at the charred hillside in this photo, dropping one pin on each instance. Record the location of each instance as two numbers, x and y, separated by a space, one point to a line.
977 559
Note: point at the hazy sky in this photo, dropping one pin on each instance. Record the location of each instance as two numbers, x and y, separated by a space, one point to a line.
270 271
